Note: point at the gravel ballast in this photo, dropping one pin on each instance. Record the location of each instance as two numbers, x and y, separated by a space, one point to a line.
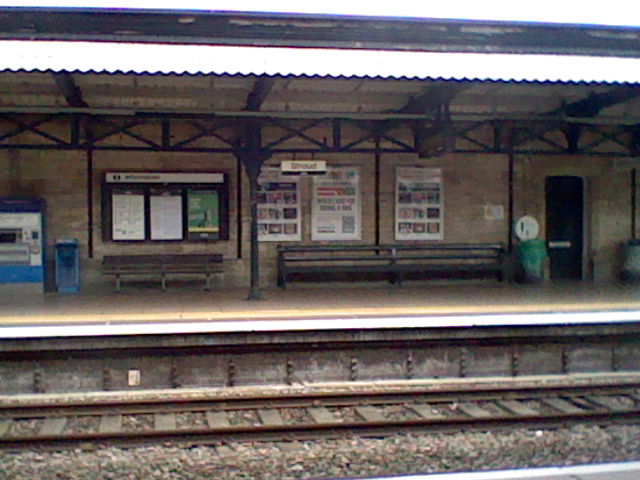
343 458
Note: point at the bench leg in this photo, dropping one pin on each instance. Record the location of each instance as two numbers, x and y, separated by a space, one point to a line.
117 283
164 282
207 287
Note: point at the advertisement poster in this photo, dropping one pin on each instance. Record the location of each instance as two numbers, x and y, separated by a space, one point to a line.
203 214
127 216
278 199
419 202
166 216
336 205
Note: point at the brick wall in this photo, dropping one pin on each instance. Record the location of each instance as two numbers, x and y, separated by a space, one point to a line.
469 181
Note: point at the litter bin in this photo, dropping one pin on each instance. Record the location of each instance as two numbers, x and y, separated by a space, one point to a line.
630 271
531 256
67 265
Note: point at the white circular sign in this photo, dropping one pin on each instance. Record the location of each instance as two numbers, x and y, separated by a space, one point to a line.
526 228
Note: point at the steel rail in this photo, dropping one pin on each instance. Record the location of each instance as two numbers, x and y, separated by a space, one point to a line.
587 406
312 398
310 431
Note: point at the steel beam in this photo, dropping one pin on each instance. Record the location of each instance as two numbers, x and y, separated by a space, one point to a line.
485 136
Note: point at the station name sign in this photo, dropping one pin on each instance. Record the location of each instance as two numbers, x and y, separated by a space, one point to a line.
298 167
157 177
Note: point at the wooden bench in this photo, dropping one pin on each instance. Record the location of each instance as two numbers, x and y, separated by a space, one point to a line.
163 265
396 261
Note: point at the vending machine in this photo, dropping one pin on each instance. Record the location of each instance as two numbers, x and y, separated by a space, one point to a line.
22 245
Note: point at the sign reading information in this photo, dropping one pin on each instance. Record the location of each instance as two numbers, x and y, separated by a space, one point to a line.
419 213
278 201
336 205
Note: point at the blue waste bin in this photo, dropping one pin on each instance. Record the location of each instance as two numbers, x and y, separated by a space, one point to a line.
67 265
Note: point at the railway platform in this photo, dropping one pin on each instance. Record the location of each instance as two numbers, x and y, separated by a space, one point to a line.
95 341
183 309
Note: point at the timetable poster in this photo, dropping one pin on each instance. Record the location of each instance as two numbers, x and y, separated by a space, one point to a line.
419 212
127 216
278 199
336 205
166 216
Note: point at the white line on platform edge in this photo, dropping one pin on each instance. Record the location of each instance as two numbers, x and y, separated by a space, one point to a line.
310 324
535 473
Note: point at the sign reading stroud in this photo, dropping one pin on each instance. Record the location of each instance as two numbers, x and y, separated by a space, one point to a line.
301 167
336 210
278 207
419 212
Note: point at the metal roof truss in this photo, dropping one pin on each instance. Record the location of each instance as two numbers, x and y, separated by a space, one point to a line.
218 134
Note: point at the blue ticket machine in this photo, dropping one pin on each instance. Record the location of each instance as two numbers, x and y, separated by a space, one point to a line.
22 245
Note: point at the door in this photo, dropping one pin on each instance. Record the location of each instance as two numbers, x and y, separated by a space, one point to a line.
564 206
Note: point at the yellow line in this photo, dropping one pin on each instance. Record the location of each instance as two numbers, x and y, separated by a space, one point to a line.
292 314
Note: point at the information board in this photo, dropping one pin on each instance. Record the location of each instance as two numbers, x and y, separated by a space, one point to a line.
127 216
336 205
203 214
278 199
166 216
419 204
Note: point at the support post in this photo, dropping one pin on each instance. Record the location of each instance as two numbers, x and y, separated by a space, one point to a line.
377 189
89 142
254 292
252 155
634 193
510 207
239 208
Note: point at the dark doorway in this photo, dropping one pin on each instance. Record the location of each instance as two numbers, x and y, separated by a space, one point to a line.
564 205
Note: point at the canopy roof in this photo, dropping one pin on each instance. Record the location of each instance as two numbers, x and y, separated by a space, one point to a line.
318 31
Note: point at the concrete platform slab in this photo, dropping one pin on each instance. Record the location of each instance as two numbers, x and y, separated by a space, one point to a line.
339 306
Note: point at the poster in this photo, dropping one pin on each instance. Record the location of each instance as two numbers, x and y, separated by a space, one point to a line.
166 216
278 199
336 205
127 216
419 204
203 214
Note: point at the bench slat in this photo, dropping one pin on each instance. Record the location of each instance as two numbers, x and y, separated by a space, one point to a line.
203 264
396 260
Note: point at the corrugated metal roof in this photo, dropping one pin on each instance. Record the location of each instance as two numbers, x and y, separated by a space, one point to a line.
84 57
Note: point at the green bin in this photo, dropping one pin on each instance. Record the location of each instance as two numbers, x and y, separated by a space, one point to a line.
531 255
630 272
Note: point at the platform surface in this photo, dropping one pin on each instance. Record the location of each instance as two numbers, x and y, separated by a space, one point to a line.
336 305
149 303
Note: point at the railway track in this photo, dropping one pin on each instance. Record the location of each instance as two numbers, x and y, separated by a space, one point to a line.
312 415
